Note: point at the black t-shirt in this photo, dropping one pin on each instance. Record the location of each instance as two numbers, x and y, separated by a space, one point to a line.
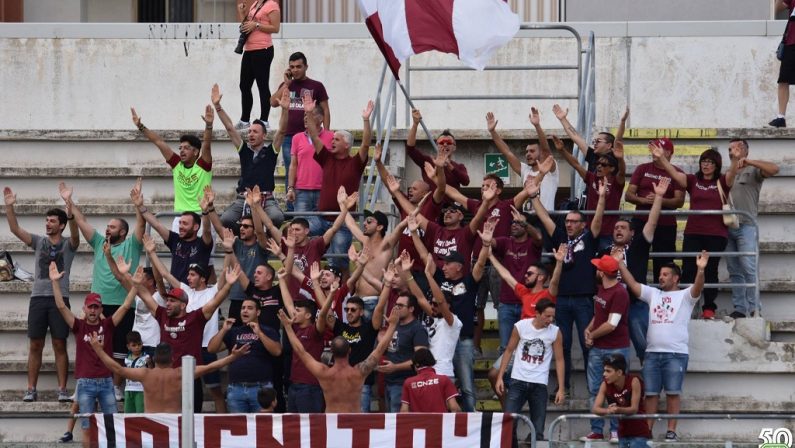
184 253
578 277
257 365
256 169
361 339
636 257
461 293
270 301
401 348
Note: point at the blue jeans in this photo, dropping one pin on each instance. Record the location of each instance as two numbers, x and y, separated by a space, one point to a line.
507 315
742 269
464 368
339 245
595 377
638 325
536 396
367 390
241 398
633 442
568 311
91 390
306 201
394 392
232 214
305 398
287 146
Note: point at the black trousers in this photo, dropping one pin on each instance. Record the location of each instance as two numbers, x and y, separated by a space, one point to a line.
712 244
664 241
256 66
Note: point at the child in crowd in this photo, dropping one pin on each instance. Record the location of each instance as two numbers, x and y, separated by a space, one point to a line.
623 393
267 399
136 359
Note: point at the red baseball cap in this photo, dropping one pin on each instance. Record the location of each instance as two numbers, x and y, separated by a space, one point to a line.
665 143
178 294
93 299
606 264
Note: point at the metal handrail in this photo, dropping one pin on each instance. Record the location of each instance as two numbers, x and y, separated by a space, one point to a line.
728 443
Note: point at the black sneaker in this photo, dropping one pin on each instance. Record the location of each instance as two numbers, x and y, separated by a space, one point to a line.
778 122
66 437
737 315
670 436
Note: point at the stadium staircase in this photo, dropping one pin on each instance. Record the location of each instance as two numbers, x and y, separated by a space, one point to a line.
735 366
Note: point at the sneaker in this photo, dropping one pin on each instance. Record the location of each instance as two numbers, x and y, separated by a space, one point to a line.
30 395
478 353
708 314
778 122
737 315
117 392
591 437
613 436
64 397
66 437
670 436
242 125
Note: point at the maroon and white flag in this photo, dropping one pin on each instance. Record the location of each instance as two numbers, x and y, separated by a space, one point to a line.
470 29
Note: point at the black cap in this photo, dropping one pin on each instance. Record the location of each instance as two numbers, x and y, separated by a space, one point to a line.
380 217
334 270
454 257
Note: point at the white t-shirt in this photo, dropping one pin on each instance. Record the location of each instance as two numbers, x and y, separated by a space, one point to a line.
549 184
145 323
196 300
533 355
669 316
443 338
139 363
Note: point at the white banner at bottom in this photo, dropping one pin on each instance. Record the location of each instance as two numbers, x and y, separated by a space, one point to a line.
464 430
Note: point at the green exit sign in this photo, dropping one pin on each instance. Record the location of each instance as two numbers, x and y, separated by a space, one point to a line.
496 163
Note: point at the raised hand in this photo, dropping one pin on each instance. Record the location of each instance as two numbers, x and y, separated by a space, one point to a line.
9 197
136 195
617 253
487 235
378 152
368 110
281 273
442 159
662 186
618 149
94 340
701 260
149 243
602 187
393 318
309 103
392 184
405 261
531 187
228 323
249 197
138 277
206 201
215 95
558 143
491 122
289 241
489 193
430 170
416 116
209 115
135 118
559 112
314 271
560 252
365 255
625 115
232 274
65 191
228 240
535 117
284 101
656 151
389 274
255 327
54 274
122 264
286 321
516 215
352 254
413 222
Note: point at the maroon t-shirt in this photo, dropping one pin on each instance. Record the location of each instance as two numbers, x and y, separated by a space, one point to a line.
455 174
312 341
644 177
87 363
295 117
304 257
790 39
501 210
427 391
183 334
612 200
346 172
623 399
441 241
609 301
516 257
704 195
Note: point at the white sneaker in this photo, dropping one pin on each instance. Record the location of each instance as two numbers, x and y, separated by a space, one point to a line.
613 436
118 394
242 125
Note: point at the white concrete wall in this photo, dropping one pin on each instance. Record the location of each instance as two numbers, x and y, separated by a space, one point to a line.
710 74
656 10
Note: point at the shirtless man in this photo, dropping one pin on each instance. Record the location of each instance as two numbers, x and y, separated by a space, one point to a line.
341 383
163 384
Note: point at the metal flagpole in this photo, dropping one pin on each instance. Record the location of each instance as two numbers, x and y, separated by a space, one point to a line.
188 369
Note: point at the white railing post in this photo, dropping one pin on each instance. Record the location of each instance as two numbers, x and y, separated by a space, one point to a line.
188 369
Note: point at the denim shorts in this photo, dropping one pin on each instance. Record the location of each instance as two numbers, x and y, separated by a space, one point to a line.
664 371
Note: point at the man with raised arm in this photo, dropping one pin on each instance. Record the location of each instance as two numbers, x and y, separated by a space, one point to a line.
163 383
342 382
94 380
191 169
602 142
668 338
339 169
577 286
537 152
103 281
52 246
257 165
456 173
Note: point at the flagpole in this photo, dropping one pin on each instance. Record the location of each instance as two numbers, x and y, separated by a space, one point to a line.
422 122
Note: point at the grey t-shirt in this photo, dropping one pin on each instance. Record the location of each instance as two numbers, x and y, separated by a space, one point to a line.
401 348
745 191
45 252
249 257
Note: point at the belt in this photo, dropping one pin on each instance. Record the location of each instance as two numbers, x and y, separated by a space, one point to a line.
259 384
264 194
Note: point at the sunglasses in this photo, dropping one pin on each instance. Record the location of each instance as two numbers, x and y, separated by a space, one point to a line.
445 141
401 305
598 140
604 165
351 310
246 226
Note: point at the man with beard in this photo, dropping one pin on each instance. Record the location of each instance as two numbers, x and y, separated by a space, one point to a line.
181 329
50 247
186 246
248 374
102 280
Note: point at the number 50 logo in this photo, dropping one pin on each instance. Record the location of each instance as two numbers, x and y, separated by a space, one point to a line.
775 438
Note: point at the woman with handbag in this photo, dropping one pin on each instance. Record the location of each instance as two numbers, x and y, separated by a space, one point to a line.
707 189
257 24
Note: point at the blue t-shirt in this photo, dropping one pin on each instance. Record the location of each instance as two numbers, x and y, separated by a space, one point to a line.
257 365
578 277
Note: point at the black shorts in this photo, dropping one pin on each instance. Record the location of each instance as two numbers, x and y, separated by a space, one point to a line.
43 314
212 379
786 74
120 334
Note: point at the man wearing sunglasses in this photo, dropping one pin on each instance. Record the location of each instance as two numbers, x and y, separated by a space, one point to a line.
456 173
602 144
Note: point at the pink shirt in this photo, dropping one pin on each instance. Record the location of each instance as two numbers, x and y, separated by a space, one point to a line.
309 174
257 39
